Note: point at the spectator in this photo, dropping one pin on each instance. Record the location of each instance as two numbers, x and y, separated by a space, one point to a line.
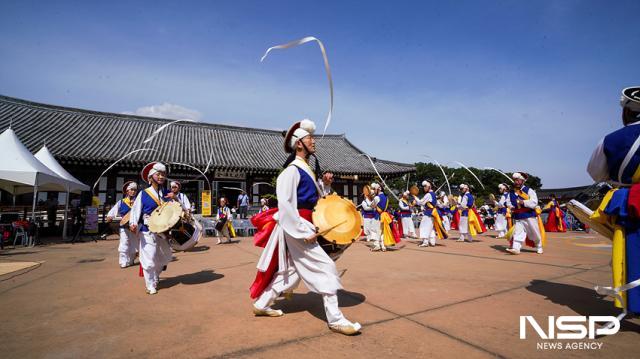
243 204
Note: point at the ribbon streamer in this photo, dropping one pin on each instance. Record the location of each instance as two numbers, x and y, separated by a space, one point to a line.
502 173
381 179
268 184
202 173
453 175
615 292
118 160
473 174
326 67
234 188
163 127
441 169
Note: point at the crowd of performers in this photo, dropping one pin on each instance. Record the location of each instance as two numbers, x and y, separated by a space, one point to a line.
291 252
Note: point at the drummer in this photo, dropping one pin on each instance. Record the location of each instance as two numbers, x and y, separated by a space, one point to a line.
224 214
292 252
325 183
155 252
179 196
129 241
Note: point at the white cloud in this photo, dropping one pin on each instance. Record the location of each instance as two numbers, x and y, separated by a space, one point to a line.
167 110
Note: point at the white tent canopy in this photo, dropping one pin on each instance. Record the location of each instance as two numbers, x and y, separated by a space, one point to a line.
74 185
20 171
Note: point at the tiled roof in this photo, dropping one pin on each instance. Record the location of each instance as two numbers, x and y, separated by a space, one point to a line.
88 137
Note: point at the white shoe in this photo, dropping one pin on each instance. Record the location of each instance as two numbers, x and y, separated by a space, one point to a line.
346 329
423 244
513 251
540 251
460 240
219 241
268 312
152 291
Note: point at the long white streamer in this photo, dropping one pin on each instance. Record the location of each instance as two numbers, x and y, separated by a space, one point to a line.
326 67
234 188
453 175
116 162
381 179
502 173
268 184
163 127
441 169
473 174
201 173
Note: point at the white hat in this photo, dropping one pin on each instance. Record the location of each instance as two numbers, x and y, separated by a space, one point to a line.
263 201
631 98
426 183
442 194
175 183
502 186
375 185
298 131
520 175
463 186
406 193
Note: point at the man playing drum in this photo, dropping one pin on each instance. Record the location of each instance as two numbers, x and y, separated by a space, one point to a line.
292 252
155 252
129 241
225 222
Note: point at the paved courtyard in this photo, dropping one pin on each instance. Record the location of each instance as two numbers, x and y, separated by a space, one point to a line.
457 299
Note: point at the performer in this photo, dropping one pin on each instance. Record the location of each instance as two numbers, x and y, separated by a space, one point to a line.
155 252
406 212
224 214
616 159
466 202
523 203
431 224
326 182
371 218
129 241
179 196
501 215
555 221
292 252
444 210
264 205
385 239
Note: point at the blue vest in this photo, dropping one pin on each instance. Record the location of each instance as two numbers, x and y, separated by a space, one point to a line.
465 212
307 192
405 213
520 212
616 146
428 210
124 208
148 205
503 210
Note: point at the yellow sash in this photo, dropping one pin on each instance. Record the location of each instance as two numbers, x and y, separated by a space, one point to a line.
150 193
387 235
128 201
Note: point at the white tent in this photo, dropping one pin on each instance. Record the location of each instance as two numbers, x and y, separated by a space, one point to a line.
73 184
21 172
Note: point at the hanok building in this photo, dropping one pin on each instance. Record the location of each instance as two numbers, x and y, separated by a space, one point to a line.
87 142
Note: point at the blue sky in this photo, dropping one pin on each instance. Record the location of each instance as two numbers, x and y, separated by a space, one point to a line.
516 85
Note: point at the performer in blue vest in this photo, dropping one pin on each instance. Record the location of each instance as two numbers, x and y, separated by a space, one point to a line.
292 253
431 224
522 201
465 207
501 225
155 252
616 160
406 215
129 241
371 222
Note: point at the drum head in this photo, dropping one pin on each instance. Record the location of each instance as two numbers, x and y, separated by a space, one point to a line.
339 218
125 219
164 217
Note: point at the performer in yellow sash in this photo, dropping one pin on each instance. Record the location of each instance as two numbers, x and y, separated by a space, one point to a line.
616 159
469 222
431 224
224 214
523 202
386 236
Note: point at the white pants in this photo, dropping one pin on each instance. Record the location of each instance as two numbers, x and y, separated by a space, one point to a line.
129 244
376 233
501 224
309 263
427 232
524 228
155 253
463 227
367 225
408 229
446 223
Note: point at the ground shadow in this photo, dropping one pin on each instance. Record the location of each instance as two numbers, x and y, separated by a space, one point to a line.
584 301
312 303
503 248
201 277
199 249
91 260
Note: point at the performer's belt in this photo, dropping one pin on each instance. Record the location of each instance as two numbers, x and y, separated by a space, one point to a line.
502 210
306 205
523 213
369 214
405 214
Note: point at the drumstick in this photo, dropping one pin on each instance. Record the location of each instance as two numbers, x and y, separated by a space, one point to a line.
318 234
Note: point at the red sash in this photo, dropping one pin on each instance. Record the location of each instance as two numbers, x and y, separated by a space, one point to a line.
265 224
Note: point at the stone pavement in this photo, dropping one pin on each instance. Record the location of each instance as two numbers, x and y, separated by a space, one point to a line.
457 299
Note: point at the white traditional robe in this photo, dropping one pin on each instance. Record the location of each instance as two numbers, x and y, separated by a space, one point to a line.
527 227
501 219
305 261
427 231
408 228
371 226
129 241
